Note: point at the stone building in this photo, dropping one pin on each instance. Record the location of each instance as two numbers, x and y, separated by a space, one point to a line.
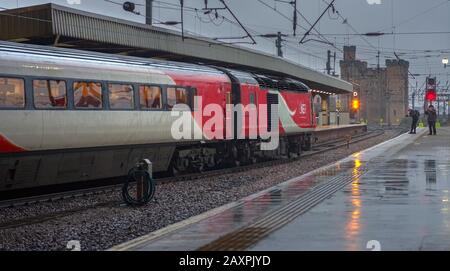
383 91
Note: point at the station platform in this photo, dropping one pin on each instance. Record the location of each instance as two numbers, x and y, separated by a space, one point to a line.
334 132
393 196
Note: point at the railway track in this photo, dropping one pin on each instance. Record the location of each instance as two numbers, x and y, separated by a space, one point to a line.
78 193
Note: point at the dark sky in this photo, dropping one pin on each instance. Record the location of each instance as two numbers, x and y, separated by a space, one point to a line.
424 51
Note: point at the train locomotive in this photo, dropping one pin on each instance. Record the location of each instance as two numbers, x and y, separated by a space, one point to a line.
71 116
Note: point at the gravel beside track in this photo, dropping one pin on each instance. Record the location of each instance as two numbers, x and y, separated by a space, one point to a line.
101 221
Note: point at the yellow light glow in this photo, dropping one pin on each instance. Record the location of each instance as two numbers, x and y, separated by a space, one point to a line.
357 163
355 104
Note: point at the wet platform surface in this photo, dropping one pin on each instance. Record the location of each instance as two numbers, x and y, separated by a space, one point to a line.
402 203
396 193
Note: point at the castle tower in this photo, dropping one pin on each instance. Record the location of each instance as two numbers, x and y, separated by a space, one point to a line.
383 92
397 87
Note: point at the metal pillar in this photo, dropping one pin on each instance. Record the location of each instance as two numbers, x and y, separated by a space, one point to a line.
279 45
328 62
148 11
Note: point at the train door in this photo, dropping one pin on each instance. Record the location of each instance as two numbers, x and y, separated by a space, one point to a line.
253 123
229 96
249 115
272 99
313 111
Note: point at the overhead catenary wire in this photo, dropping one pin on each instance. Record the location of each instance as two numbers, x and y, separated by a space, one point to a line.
318 19
226 7
346 21
289 19
418 15
253 31
367 52
386 33
117 3
293 47
238 21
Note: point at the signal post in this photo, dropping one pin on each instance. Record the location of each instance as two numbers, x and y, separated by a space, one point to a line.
355 106
430 93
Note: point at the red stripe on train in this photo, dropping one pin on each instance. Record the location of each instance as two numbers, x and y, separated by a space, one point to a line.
7 147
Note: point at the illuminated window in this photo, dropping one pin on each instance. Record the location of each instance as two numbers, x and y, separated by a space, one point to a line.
121 96
176 96
87 94
12 93
150 97
49 94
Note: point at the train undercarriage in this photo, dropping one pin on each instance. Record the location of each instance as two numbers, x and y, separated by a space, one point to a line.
36 169
235 153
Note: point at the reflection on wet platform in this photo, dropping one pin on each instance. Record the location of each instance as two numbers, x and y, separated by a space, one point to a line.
396 193
402 202
430 171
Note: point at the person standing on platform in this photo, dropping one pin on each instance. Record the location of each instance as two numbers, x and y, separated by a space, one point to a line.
432 118
414 114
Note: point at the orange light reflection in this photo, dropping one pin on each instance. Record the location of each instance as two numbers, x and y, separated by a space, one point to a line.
354 224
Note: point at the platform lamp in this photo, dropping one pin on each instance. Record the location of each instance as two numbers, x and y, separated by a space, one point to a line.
445 62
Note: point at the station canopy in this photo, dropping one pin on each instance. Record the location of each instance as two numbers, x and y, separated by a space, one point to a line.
60 26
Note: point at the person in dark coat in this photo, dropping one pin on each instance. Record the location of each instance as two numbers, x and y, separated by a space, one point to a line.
432 118
414 114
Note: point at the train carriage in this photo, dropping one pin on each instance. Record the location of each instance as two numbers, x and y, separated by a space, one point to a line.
71 116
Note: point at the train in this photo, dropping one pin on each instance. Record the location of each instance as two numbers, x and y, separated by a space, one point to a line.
71 116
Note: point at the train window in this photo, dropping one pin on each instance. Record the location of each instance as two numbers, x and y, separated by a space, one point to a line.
121 96
150 97
12 93
49 94
252 98
87 94
176 96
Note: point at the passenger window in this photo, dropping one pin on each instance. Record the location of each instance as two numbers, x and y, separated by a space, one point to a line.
150 97
12 93
252 98
176 96
87 94
49 94
121 96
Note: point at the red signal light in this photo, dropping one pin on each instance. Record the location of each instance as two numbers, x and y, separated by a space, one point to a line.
430 95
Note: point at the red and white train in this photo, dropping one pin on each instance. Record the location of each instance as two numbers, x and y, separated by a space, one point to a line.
70 116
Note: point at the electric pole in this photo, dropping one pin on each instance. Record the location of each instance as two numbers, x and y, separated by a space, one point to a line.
334 64
295 17
293 3
328 62
279 45
182 19
378 61
278 41
148 11
328 68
